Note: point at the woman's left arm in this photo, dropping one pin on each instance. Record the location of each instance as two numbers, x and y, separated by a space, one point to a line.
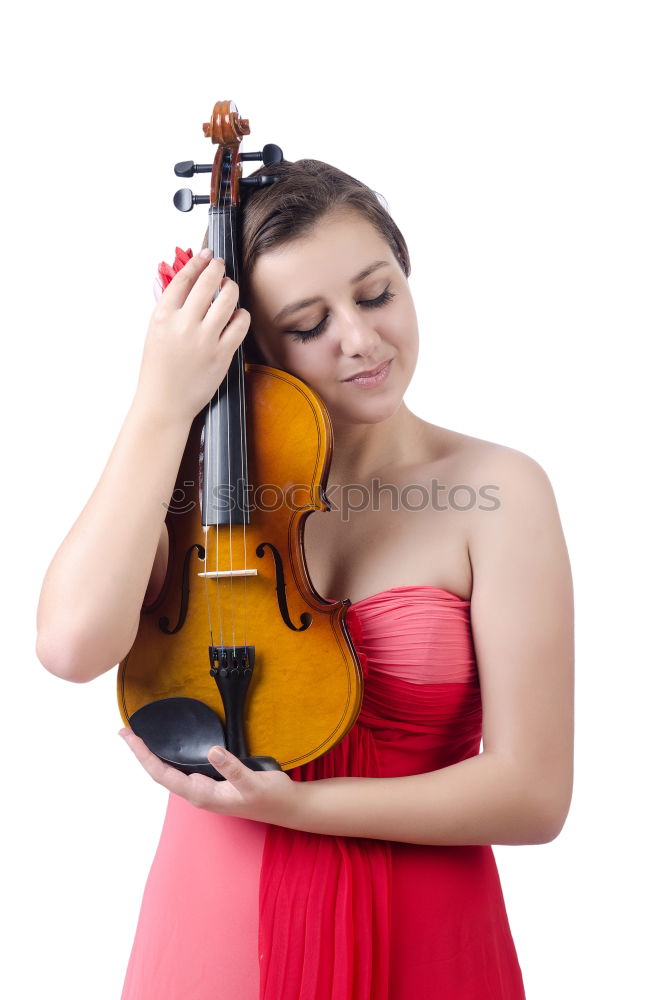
518 790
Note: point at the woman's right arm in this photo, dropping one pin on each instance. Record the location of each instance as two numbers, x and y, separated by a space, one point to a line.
95 586
91 597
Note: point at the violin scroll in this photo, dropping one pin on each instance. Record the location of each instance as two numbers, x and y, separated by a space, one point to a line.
226 129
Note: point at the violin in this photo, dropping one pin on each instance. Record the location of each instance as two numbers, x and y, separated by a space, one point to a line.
238 649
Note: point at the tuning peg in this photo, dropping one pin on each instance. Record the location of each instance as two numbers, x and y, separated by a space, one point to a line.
186 168
270 155
262 181
184 199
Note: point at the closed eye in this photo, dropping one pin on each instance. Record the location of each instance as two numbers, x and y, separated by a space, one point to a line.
381 300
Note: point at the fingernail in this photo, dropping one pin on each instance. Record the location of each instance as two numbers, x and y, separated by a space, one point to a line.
217 754
205 254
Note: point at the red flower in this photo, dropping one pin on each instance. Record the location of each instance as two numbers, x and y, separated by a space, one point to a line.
166 273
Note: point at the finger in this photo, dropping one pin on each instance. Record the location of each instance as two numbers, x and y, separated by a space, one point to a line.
232 769
201 297
230 332
172 779
179 287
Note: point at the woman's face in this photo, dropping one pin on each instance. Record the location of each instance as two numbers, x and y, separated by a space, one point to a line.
358 320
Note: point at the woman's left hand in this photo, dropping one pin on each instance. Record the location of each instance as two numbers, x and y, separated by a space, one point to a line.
265 796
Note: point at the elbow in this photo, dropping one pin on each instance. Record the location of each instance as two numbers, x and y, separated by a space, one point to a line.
65 659
550 820
543 832
554 828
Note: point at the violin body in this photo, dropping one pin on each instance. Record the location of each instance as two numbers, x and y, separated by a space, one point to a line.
306 682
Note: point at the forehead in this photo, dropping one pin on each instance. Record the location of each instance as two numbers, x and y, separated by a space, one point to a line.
338 247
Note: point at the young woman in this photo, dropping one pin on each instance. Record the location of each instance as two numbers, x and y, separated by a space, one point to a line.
367 873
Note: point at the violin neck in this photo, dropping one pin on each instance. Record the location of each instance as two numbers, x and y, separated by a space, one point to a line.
225 461
224 238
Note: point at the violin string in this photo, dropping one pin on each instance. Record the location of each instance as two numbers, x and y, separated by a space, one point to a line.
212 242
244 466
242 426
218 486
205 533
226 219
219 251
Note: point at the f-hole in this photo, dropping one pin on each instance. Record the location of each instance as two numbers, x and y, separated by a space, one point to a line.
305 619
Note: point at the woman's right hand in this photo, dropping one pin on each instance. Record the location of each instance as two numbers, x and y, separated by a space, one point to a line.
191 340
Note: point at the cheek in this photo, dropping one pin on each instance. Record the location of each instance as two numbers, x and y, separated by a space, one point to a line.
309 362
402 329
312 362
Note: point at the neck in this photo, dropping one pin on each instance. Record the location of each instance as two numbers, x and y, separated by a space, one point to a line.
361 451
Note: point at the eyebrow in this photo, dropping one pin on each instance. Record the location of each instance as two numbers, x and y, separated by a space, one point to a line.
295 306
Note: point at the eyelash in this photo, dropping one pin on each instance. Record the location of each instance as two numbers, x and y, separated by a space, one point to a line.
381 300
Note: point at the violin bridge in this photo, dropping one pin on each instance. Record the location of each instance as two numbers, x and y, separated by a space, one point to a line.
222 574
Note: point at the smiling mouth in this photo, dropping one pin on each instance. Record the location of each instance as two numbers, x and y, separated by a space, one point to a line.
370 374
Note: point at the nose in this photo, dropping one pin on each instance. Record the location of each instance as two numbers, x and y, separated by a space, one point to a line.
357 336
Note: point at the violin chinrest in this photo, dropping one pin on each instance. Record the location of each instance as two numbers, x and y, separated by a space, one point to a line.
181 731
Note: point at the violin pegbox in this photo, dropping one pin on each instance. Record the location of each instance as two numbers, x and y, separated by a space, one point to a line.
226 128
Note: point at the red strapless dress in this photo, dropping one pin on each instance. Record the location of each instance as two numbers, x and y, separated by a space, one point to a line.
250 911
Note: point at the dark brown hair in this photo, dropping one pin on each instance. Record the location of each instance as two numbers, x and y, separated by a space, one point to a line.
307 190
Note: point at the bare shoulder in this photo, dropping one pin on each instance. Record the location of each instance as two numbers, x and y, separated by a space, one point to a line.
512 484
484 465
474 454
496 474
502 501
514 534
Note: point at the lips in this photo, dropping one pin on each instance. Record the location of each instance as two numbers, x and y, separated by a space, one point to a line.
369 374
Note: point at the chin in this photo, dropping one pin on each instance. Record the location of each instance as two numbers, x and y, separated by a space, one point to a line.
369 411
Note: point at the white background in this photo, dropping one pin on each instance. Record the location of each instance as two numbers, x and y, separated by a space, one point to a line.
518 147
